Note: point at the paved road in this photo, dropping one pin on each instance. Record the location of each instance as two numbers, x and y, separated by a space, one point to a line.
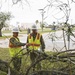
59 44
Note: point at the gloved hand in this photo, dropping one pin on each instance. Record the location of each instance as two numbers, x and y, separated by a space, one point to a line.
40 50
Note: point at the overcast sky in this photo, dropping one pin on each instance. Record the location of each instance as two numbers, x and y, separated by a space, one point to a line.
29 13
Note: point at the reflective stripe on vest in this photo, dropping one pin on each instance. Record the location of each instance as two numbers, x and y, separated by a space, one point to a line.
14 50
34 45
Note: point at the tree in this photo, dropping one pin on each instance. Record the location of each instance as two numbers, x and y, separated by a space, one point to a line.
36 22
3 18
42 25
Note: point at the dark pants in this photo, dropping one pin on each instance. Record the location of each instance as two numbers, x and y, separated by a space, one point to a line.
34 57
17 63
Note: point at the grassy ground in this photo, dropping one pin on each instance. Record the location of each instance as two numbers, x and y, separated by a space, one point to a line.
25 31
4 37
4 54
2 73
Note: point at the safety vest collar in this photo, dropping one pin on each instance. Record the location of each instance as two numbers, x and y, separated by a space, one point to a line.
37 36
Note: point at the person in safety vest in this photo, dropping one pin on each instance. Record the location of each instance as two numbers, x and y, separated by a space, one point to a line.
35 41
14 49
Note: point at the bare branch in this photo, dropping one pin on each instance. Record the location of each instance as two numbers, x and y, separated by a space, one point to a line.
73 1
15 1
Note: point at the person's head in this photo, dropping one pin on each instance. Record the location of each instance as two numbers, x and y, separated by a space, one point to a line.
34 28
15 32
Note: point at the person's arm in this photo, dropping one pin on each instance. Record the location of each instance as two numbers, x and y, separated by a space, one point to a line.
16 43
42 43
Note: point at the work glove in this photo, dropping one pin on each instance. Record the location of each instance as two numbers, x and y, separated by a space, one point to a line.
40 50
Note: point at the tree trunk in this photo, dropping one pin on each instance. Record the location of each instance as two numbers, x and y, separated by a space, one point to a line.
42 27
0 33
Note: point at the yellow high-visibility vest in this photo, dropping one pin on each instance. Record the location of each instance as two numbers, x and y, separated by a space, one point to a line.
34 45
13 50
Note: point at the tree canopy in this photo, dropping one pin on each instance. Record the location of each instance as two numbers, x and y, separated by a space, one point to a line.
4 16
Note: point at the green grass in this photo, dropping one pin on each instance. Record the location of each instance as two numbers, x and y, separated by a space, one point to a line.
46 64
4 37
4 54
25 31
6 31
2 73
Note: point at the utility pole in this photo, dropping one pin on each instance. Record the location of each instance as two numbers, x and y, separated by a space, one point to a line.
42 11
